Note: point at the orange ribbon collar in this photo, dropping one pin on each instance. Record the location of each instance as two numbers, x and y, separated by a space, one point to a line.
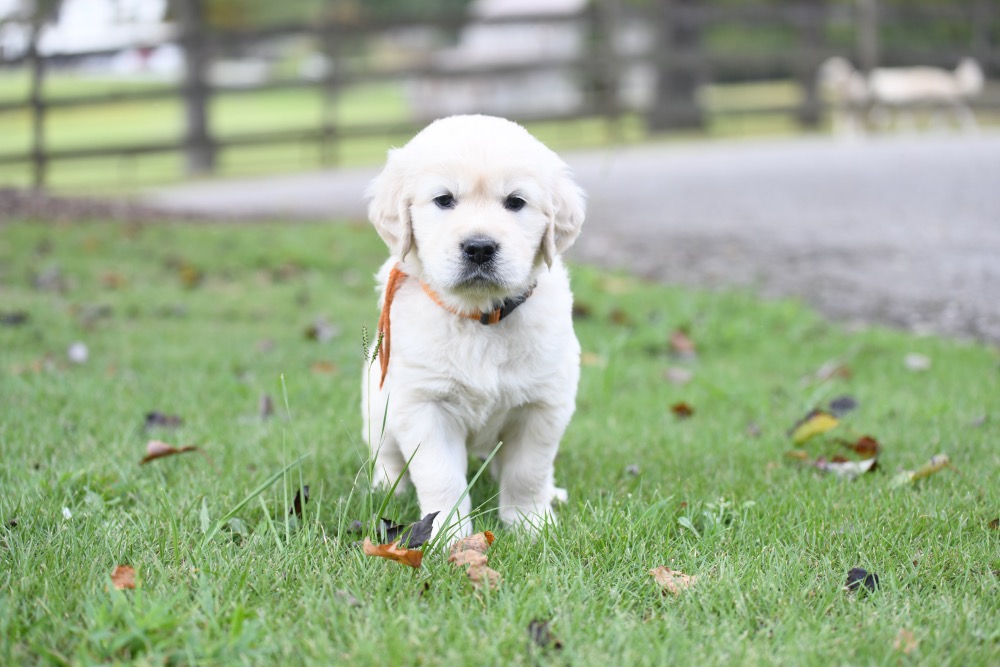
396 278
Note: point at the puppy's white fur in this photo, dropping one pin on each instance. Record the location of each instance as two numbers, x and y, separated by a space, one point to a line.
454 386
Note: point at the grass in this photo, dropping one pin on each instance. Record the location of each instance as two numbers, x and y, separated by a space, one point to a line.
201 320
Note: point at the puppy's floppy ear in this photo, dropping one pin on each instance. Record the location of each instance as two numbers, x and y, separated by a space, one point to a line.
389 206
568 208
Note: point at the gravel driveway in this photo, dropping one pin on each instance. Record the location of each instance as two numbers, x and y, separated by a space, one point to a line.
899 230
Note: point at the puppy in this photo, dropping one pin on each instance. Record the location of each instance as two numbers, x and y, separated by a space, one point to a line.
477 344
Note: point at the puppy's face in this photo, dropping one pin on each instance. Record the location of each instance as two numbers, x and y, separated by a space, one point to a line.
477 206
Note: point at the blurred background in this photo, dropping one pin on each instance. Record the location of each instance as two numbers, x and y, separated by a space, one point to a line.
110 96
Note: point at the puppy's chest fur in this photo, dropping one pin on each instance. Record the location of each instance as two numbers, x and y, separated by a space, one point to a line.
481 374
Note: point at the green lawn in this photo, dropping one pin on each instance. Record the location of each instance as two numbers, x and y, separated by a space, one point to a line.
201 320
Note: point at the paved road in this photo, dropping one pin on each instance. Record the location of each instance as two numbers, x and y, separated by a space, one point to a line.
898 230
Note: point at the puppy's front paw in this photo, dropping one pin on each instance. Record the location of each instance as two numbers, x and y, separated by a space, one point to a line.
559 496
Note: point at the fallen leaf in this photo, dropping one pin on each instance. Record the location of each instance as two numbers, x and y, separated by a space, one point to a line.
682 410
541 635
841 405
483 576
994 524
417 533
13 523
581 311
866 447
301 498
467 557
917 362
678 376
189 275
156 449
937 463
123 577
798 454
471 551
14 318
113 280
858 576
323 367
157 419
846 469
479 542
905 642
321 331
619 317
813 424
831 370
265 406
672 581
392 551
681 345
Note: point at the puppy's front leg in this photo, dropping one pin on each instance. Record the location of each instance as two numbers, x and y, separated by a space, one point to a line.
526 461
439 465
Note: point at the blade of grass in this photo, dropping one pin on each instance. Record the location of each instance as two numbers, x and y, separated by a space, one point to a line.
266 484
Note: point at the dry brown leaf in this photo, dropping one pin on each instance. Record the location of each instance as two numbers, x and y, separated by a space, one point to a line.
482 576
479 542
467 557
905 642
682 410
392 551
866 447
471 551
672 581
123 577
323 368
157 450
681 344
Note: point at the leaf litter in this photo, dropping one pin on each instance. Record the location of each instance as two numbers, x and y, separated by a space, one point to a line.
123 577
672 581
155 449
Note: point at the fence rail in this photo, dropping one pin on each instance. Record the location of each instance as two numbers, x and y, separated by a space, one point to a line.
677 56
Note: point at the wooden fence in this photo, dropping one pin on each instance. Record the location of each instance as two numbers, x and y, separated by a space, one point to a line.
678 55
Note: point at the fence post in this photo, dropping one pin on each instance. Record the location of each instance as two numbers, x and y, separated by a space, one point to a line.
812 36
676 104
604 18
37 102
866 28
199 148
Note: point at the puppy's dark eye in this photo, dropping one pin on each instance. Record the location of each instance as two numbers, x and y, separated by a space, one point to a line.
513 203
445 201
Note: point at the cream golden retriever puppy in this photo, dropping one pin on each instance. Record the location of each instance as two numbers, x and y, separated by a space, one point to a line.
477 343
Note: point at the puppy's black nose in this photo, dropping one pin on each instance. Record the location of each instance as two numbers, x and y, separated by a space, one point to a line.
479 250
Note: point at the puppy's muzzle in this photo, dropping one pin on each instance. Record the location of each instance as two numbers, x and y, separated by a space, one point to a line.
479 250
